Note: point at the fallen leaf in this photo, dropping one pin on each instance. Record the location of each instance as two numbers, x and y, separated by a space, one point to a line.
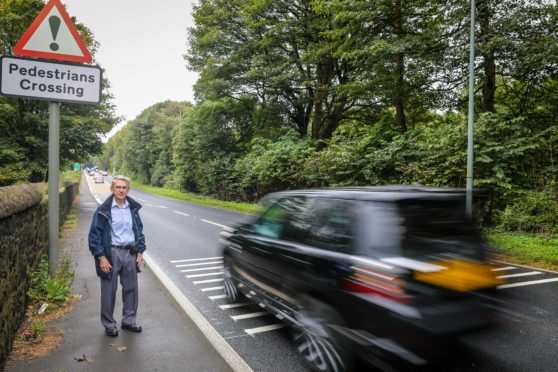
84 358
121 348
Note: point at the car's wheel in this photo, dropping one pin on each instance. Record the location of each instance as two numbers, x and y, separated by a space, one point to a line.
317 341
229 287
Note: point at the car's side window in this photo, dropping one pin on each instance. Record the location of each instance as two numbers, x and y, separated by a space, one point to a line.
379 228
270 223
287 219
333 225
299 219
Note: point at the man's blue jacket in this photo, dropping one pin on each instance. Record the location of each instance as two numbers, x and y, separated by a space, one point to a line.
99 233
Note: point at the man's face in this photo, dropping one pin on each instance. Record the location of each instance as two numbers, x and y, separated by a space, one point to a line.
120 189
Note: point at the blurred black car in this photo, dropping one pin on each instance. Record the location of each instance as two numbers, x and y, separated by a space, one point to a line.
381 273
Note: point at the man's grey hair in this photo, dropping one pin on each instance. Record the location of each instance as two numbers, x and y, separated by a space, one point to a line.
119 178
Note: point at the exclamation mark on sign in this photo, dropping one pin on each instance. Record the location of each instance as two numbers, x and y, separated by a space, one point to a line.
54 22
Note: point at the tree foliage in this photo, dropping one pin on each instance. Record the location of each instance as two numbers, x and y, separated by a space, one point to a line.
316 93
24 122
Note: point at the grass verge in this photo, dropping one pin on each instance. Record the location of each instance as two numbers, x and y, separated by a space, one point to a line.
199 199
525 249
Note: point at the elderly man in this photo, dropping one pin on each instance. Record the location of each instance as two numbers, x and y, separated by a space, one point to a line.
116 241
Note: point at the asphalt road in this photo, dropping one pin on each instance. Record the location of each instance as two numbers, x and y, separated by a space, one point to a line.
182 239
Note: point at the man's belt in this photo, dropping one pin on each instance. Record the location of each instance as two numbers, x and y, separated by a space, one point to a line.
123 246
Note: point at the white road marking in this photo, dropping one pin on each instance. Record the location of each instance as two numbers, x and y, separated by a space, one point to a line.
216 224
232 306
208 281
198 259
518 275
208 330
200 275
201 263
202 269
219 297
505 268
527 283
272 327
184 214
143 200
246 316
212 289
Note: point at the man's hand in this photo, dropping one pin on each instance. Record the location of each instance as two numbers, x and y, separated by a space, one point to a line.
139 260
105 264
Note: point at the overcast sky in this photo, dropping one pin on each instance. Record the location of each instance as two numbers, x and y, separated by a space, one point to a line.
142 44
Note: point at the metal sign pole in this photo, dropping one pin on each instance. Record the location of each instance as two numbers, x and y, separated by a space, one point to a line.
470 121
53 185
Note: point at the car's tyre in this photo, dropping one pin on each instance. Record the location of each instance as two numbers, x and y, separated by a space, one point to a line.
229 287
317 341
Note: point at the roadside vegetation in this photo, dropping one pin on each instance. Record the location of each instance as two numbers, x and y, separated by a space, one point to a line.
70 176
525 249
200 199
49 297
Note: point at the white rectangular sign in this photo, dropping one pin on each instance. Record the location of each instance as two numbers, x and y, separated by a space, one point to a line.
53 81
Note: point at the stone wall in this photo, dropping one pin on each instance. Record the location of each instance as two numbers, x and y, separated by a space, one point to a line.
23 241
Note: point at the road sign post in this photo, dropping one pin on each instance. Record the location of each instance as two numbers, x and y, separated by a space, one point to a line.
53 186
52 35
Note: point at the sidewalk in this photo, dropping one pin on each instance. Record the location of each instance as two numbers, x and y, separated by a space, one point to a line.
170 341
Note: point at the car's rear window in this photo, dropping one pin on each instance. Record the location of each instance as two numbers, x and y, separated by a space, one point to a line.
418 227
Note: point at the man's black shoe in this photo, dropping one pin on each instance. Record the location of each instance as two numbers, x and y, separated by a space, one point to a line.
112 332
131 327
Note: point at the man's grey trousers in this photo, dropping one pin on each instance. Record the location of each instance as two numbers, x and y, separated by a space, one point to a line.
123 266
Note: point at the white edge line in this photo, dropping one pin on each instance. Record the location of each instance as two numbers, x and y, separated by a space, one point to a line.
505 268
218 297
198 259
271 327
521 284
518 275
184 214
216 224
232 306
211 289
248 316
208 281
528 267
223 348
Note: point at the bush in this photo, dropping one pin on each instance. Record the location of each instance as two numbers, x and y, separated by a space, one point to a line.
531 212
273 165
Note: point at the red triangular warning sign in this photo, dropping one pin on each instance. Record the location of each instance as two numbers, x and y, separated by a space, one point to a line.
52 35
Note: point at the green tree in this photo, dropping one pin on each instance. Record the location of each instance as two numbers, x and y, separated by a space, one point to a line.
24 122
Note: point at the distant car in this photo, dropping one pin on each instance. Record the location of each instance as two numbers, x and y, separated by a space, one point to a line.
103 173
99 179
383 273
